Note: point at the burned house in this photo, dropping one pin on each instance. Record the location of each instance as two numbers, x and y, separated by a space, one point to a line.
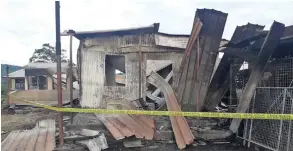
109 62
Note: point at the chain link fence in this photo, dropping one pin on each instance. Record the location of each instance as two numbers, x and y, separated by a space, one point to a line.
272 134
273 95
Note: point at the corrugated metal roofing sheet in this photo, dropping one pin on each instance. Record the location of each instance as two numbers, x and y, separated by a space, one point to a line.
17 74
43 65
117 32
40 138
121 126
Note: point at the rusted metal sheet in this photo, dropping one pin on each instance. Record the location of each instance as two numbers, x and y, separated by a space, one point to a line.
268 47
121 126
117 32
40 138
219 83
180 127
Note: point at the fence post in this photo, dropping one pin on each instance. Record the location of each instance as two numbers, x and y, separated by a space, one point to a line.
290 124
252 111
281 121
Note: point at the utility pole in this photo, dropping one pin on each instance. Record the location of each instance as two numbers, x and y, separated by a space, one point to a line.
7 85
59 84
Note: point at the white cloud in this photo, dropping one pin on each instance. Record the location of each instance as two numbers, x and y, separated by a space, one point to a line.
27 24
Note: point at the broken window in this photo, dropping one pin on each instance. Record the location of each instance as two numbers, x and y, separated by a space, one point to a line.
115 74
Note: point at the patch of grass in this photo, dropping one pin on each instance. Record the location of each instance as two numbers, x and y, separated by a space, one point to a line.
3 94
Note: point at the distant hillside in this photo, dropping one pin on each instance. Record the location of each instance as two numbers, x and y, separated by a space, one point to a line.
12 68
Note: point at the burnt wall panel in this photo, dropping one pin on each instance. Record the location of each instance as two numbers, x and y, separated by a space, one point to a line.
172 56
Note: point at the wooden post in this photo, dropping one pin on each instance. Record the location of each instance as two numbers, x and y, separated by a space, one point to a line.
140 59
7 84
70 76
267 49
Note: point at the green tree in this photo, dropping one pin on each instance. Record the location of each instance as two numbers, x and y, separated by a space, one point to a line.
47 54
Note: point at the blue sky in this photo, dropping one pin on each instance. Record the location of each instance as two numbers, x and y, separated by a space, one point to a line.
27 24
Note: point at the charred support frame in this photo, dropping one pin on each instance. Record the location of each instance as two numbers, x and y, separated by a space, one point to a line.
268 47
220 81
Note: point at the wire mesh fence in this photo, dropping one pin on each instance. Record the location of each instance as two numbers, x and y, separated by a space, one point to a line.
273 95
272 134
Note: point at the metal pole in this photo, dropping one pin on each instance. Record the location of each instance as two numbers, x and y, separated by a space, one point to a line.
290 124
231 88
59 84
7 85
251 123
70 76
281 122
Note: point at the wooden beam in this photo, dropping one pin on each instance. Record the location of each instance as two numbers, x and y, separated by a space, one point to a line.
268 47
167 79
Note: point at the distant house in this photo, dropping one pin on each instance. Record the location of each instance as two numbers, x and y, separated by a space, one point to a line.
12 68
37 76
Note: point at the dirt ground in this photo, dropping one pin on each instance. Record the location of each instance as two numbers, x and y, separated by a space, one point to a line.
27 120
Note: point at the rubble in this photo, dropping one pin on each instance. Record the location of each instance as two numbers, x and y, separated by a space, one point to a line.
180 127
96 144
132 143
121 126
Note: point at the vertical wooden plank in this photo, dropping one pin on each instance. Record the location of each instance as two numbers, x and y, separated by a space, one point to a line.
32 140
18 140
50 140
212 32
7 143
24 141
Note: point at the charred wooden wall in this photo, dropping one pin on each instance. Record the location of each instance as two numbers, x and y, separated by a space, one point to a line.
92 66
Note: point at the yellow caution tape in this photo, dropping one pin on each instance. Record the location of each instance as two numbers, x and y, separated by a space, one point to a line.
168 113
